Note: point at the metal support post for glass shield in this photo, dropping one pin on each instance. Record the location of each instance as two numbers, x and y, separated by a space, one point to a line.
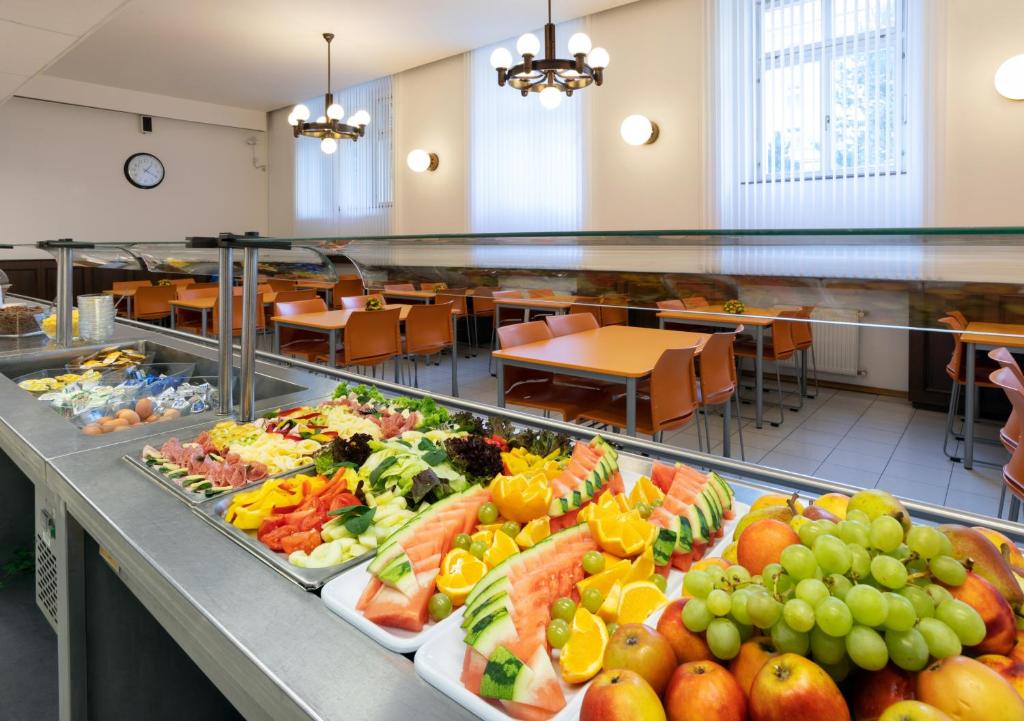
64 251
225 298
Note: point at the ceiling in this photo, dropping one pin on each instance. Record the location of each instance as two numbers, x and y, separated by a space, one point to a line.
265 54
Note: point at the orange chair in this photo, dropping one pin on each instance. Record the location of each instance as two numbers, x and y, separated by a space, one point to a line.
671 324
236 318
183 282
718 384
399 286
428 331
803 339
614 310
572 323
346 286
671 304
505 316
187 319
280 285
1010 434
539 293
536 389
779 347
129 284
153 302
371 338
673 400
695 301
358 302
433 286
288 296
956 369
1013 472
460 304
195 286
296 342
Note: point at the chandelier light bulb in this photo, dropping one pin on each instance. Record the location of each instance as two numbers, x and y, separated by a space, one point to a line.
329 146
322 119
528 44
359 117
419 160
335 112
598 58
579 44
501 58
292 120
1009 78
638 130
300 112
550 97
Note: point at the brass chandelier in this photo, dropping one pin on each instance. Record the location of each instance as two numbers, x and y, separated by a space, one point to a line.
328 127
550 76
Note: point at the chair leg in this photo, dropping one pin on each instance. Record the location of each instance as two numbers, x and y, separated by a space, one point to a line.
739 425
954 400
814 370
778 381
1014 508
700 442
1002 500
494 347
707 426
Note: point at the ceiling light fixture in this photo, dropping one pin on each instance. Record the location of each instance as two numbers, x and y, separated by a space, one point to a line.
550 76
419 161
638 130
1009 78
329 128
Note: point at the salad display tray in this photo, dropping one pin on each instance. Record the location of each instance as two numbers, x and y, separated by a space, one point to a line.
194 498
311 579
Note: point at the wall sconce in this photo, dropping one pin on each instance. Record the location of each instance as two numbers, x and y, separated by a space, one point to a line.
1010 78
638 130
419 160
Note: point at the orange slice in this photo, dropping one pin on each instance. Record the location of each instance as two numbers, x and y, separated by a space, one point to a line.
534 532
486 536
642 567
607 578
645 492
460 571
583 654
638 601
609 610
501 548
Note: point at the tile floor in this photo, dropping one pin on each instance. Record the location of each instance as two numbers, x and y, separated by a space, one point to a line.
859 439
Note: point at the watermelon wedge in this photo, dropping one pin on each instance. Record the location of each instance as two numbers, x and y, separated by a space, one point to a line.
695 508
593 466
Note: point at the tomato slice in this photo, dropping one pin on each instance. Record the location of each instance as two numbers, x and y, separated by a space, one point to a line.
305 541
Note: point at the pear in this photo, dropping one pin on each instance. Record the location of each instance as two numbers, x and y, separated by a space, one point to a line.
875 503
985 560
782 513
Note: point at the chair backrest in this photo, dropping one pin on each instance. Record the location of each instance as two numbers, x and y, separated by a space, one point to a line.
434 286
1011 433
572 323
673 387
782 333
1013 472
457 299
358 302
539 293
718 367
372 336
508 311
695 301
1005 359
183 282
590 309
956 360
154 299
614 310
960 317
803 333
346 287
399 286
510 336
236 316
203 285
279 285
192 292
671 304
129 284
428 328
289 296
483 300
298 307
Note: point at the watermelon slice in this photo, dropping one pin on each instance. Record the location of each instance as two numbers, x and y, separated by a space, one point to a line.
695 508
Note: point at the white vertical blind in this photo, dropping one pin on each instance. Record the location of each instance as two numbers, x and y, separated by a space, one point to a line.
526 162
351 191
817 113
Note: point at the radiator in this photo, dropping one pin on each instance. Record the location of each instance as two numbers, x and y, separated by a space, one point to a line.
836 343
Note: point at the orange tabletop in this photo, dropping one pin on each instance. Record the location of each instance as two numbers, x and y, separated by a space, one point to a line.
556 302
330 319
414 294
123 292
716 314
207 302
1006 334
615 350
322 284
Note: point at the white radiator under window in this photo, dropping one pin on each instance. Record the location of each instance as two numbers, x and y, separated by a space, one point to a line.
836 341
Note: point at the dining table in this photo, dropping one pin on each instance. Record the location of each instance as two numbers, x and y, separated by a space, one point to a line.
616 353
758 320
982 336
205 305
319 285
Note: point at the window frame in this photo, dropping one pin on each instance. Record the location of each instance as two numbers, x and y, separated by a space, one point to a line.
823 52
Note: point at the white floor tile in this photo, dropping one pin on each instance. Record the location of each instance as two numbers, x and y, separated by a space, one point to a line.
973 502
803 449
787 462
845 474
853 459
905 488
921 457
874 433
878 449
918 474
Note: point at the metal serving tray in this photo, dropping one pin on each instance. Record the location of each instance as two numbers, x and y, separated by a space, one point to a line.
311 579
195 498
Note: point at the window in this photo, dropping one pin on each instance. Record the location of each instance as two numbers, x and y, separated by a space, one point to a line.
817 113
352 191
829 88
525 162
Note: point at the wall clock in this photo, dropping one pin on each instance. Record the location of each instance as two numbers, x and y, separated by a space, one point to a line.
144 170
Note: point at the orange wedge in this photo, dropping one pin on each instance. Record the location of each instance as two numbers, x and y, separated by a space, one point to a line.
609 610
486 536
501 548
534 532
638 601
460 571
607 578
642 567
645 492
583 654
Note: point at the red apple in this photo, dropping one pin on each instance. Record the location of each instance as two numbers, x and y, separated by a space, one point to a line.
969 691
792 688
1000 626
753 655
1009 668
704 691
621 695
875 691
638 648
762 542
688 646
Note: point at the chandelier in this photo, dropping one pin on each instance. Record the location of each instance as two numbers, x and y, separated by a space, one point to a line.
329 127
550 76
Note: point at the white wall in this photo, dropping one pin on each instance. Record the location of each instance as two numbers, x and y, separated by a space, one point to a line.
61 175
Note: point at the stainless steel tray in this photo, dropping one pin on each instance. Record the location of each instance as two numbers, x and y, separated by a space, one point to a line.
194 498
311 579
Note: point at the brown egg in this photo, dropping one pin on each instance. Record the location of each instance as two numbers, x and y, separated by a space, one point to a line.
118 429
171 414
129 415
152 419
144 408
103 419
93 429
109 426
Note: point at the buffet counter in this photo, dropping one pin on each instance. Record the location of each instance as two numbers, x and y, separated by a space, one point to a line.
272 649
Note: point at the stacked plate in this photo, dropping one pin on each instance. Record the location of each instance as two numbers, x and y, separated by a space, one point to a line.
95 317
